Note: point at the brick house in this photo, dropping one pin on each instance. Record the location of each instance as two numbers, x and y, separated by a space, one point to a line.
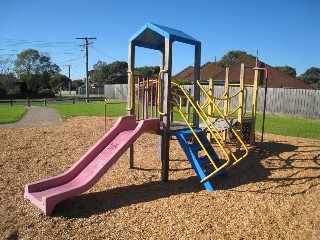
276 79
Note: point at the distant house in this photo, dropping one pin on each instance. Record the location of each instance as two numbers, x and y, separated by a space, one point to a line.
206 72
276 78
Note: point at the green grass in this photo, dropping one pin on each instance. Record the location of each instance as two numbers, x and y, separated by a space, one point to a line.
89 109
12 114
288 126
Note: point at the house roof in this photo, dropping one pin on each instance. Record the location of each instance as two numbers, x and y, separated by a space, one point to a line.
208 70
153 36
276 78
185 73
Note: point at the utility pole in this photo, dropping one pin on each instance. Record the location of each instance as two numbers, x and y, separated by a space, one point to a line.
69 78
87 74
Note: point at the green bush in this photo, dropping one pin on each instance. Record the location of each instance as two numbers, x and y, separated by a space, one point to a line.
14 91
184 82
48 93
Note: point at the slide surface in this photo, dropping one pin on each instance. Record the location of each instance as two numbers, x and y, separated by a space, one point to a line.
45 194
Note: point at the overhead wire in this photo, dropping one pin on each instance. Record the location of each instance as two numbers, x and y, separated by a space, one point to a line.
104 54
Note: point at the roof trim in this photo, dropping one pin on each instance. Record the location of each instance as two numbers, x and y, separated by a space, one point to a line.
152 36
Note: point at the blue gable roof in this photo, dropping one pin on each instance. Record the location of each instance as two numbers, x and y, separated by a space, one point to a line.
152 36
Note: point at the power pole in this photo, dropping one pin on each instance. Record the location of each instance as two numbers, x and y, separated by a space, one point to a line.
69 78
86 44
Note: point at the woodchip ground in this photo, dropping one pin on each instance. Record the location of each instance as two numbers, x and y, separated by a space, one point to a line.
273 195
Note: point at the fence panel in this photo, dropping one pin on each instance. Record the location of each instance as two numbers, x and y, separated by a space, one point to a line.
281 101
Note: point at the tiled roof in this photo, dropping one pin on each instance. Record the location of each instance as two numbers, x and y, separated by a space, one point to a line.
208 70
276 78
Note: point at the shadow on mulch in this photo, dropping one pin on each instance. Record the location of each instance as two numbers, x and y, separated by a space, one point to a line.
248 171
90 204
251 170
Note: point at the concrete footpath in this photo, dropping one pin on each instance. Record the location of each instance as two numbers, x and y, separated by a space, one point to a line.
36 117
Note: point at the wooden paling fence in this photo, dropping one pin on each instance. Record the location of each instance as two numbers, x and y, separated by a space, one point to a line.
280 101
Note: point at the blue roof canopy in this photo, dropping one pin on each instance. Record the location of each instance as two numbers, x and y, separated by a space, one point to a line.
152 36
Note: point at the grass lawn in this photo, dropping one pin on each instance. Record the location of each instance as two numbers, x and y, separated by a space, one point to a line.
89 109
12 114
288 126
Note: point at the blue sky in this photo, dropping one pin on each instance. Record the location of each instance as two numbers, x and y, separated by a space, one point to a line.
286 32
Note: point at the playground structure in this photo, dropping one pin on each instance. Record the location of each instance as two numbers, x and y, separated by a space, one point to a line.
172 98
150 108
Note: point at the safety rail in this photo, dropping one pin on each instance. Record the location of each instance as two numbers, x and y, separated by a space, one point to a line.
227 151
147 87
179 106
211 126
226 98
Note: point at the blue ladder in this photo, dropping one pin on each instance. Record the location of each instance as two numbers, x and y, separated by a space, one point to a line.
199 164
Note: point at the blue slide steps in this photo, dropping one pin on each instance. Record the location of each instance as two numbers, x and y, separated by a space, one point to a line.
199 164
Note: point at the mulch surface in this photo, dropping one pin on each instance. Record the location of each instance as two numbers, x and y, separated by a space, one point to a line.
273 195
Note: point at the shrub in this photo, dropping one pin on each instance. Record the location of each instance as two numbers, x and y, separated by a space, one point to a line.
48 93
184 82
14 91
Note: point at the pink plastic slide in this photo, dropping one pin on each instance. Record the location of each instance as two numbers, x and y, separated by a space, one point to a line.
47 193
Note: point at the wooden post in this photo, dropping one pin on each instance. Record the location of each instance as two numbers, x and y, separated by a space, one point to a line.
254 108
196 90
28 99
240 99
131 94
45 102
166 110
227 102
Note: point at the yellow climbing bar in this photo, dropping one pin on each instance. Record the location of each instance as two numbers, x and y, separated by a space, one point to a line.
159 90
131 102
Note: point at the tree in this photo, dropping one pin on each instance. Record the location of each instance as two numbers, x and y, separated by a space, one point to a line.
147 70
35 69
311 76
99 74
77 83
59 82
288 70
112 73
231 57
6 65
118 72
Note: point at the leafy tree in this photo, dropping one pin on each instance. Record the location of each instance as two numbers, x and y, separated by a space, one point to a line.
231 57
77 83
7 81
147 70
59 82
99 74
6 65
112 73
288 70
311 76
117 72
35 69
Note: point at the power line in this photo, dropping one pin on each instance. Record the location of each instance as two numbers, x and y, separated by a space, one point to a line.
104 53
71 60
